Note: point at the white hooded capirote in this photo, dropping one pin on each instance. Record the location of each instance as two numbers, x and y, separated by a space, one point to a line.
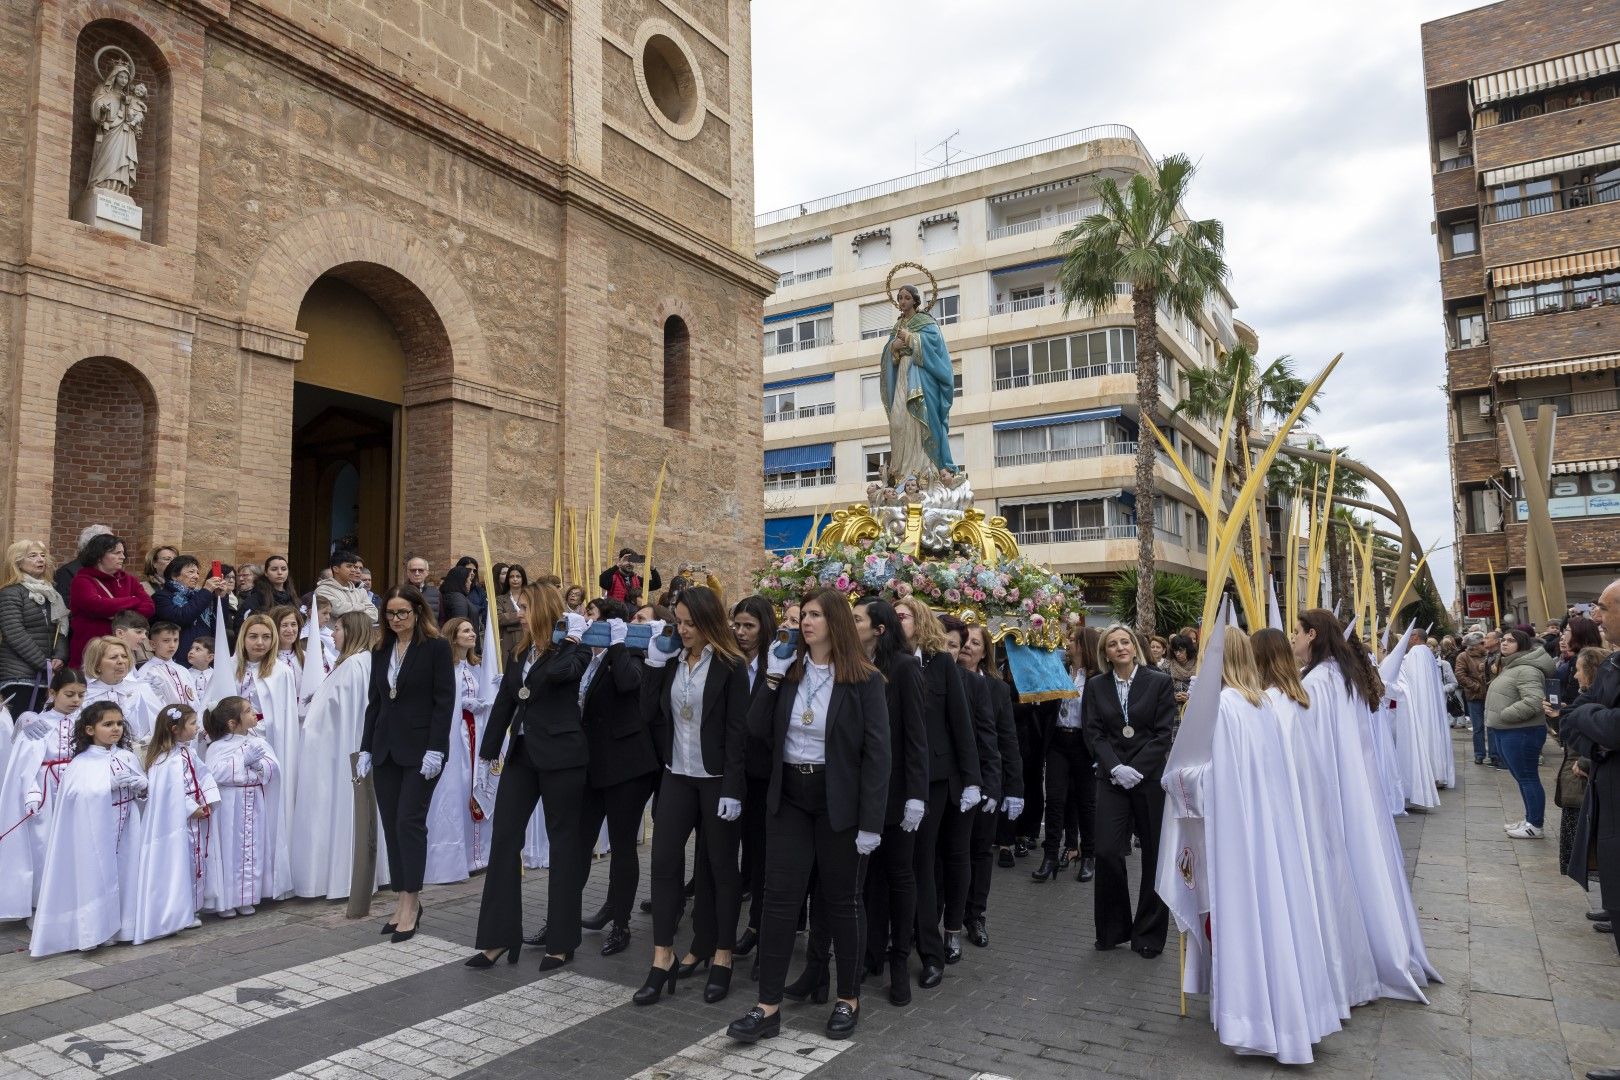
323 829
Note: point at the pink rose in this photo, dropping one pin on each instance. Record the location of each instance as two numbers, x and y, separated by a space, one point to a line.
842 584
1036 622
952 596
902 590
1029 607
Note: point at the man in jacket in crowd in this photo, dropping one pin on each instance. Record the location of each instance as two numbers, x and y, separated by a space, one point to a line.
416 576
1473 675
343 589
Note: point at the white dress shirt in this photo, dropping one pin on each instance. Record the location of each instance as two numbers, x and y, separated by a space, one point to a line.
686 707
806 744
1069 711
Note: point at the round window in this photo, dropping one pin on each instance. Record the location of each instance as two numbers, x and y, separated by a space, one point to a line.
670 84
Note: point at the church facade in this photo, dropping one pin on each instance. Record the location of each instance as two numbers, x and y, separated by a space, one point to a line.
276 273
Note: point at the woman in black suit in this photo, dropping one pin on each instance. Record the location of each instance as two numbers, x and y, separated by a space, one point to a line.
824 713
405 740
697 710
1129 745
536 713
978 653
622 770
953 776
891 881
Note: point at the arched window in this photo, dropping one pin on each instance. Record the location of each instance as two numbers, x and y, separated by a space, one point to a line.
677 374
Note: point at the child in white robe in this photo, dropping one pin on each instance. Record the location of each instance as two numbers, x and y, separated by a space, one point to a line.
87 887
174 830
272 688
200 666
458 825
42 750
171 682
108 661
247 849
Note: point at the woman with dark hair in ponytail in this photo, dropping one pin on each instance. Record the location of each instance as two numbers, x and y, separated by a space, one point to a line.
753 623
1344 688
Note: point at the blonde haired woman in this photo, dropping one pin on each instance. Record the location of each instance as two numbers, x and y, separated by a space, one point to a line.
33 627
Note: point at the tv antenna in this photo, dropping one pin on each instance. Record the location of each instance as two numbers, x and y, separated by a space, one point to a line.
943 153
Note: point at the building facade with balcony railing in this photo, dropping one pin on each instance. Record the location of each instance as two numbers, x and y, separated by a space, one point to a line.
1045 417
1530 264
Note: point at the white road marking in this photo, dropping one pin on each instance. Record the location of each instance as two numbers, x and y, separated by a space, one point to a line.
173 1028
790 1055
458 1042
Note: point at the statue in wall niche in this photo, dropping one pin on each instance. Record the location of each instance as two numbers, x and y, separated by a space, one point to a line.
118 110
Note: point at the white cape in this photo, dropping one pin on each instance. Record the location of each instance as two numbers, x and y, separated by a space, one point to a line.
1341 731
1271 991
174 845
247 848
277 695
1417 712
1380 725
323 830
1424 683
454 837
35 764
7 735
87 887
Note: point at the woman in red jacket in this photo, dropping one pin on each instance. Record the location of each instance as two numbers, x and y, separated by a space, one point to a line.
101 589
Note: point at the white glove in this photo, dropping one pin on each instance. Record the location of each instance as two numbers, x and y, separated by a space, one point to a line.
1014 807
33 802
1125 776
254 752
362 766
971 797
37 727
129 781
915 809
867 842
989 806
656 656
776 666
617 631
576 626
433 763
729 810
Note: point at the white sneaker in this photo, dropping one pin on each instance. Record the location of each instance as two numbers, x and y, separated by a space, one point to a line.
245 910
1525 831
228 913
1509 826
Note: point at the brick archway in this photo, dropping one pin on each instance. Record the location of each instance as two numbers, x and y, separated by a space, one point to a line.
106 441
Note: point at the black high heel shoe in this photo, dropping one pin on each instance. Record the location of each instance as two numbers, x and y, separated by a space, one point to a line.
552 963
389 928
686 969
658 979
483 960
719 984
595 922
1044 872
406 935
812 984
746 943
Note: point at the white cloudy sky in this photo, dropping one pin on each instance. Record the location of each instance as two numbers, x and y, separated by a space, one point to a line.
1306 120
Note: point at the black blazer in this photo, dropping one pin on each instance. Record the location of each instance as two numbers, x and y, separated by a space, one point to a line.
1012 758
953 755
725 719
621 746
856 751
756 752
416 718
908 737
983 707
1153 716
548 719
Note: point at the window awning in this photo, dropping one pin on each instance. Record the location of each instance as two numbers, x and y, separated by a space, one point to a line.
1569 468
1546 74
1073 496
871 234
1055 185
799 458
789 245
1039 264
785 534
1564 266
802 313
936 219
1061 418
784 384
1529 170
1547 368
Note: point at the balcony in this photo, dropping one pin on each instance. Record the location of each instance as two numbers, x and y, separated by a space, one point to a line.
1570 198
1073 453
803 276
778 348
1462 276
1042 378
1049 221
1072 536
1029 303
1455 189
1584 330
1553 134
1554 298
1468 368
1483 551
824 409
1532 236
1581 404
1475 460
791 482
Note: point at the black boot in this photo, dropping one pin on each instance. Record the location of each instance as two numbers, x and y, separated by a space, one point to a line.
1005 859
1046 871
746 943
1088 869
899 981
595 922
616 940
813 984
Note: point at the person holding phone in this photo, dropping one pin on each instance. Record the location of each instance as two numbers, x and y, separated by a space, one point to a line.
1514 715
537 715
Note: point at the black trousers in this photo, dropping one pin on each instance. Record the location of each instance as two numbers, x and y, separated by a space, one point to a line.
981 859
1118 813
402 803
891 895
930 942
799 837
1028 824
621 804
687 805
560 793
953 868
753 847
1071 780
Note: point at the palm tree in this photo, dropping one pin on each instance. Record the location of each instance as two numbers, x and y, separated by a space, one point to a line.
1142 238
1263 393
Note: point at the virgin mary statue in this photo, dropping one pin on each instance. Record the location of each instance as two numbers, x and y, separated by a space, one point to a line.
918 386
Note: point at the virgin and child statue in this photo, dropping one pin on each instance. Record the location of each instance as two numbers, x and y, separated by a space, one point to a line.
918 387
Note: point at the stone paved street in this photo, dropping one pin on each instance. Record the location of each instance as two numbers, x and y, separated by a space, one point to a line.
298 990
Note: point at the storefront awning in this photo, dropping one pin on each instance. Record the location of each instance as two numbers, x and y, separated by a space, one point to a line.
799 458
1547 368
1568 468
1529 170
1564 266
1515 82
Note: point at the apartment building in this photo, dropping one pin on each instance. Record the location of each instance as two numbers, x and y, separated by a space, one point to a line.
1045 418
1523 105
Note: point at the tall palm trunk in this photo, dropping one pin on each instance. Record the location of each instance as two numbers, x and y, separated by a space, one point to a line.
1144 303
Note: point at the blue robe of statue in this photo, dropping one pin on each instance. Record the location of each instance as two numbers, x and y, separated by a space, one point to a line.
928 392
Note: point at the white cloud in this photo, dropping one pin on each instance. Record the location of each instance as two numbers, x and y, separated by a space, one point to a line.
1307 122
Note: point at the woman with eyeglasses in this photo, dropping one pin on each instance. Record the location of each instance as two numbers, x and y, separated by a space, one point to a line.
405 741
